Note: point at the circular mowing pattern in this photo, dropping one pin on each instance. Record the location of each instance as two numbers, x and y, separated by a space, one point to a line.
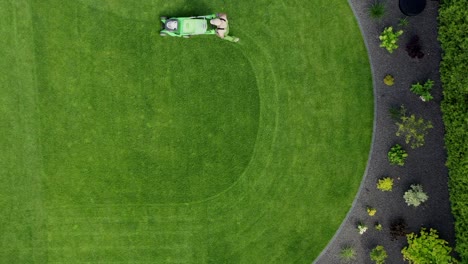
315 123
153 120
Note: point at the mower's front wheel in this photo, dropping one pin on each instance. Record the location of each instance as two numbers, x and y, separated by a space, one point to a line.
186 36
163 34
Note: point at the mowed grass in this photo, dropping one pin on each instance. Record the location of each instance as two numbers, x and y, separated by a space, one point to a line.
137 121
122 146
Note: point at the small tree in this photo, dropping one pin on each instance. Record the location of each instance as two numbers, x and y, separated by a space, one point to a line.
378 255
427 248
389 39
397 155
385 184
413 129
415 195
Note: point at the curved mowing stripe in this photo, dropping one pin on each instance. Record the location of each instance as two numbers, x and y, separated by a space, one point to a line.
162 122
290 116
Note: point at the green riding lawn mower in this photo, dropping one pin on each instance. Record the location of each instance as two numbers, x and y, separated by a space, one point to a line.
187 27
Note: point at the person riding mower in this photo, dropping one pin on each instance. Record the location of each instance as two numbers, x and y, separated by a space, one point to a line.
196 25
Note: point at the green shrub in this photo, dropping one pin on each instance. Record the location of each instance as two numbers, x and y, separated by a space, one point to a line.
427 248
423 90
385 184
389 80
378 226
453 37
377 10
371 211
397 155
348 254
389 39
415 195
378 255
413 130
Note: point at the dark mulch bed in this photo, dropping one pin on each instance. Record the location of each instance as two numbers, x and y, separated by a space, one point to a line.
425 165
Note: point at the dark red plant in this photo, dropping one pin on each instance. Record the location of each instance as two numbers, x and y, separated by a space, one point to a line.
414 48
398 229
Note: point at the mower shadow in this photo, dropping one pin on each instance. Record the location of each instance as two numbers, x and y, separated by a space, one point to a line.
190 8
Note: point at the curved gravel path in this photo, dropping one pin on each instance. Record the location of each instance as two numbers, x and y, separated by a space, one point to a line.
425 165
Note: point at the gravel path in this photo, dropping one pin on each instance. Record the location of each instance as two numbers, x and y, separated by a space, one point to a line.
425 165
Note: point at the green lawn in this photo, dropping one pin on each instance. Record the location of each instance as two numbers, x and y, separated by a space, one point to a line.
119 145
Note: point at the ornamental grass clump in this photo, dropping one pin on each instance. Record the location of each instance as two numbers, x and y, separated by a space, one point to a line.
377 10
415 195
423 90
389 39
403 22
385 184
347 254
397 155
396 112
